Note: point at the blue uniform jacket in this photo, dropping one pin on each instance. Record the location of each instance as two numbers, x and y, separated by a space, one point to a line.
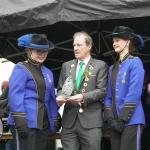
129 83
23 97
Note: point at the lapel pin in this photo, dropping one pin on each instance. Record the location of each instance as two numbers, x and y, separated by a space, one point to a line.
72 65
90 67
86 75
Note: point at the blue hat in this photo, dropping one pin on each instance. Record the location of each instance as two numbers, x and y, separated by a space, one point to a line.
36 41
127 34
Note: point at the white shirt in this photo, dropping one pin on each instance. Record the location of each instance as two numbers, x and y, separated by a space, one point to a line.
84 66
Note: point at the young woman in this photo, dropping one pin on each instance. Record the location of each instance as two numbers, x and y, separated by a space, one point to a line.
123 109
33 108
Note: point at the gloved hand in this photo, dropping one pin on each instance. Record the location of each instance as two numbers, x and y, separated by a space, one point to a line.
111 122
23 131
116 124
119 125
54 132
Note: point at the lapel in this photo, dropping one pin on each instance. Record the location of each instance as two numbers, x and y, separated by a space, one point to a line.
73 70
86 68
73 74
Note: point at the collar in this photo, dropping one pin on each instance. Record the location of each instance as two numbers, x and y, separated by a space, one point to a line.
34 62
85 61
124 58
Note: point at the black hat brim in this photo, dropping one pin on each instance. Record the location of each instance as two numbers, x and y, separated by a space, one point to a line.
133 37
51 46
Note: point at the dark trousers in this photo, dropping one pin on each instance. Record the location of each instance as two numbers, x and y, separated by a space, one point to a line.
77 136
129 139
146 139
36 140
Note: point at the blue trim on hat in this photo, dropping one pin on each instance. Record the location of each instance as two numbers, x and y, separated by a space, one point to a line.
24 40
141 45
38 46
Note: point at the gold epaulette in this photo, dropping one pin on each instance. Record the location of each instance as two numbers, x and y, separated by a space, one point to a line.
23 62
131 56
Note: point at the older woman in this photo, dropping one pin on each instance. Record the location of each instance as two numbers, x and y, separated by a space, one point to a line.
123 109
33 108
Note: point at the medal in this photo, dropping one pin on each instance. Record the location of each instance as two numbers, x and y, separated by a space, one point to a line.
83 90
85 84
75 92
80 110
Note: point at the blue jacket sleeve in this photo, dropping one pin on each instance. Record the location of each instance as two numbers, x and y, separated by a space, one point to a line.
108 98
53 107
17 83
134 91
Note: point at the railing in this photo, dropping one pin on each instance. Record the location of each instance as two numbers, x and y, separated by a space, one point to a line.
8 136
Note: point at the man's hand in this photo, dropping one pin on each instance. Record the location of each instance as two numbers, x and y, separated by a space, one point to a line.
60 100
76 99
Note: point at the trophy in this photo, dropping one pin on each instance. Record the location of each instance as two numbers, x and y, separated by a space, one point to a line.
66 91
67 87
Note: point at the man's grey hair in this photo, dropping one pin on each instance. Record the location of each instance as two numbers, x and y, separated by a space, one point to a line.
88 39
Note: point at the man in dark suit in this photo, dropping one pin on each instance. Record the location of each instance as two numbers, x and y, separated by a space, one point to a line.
82 119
